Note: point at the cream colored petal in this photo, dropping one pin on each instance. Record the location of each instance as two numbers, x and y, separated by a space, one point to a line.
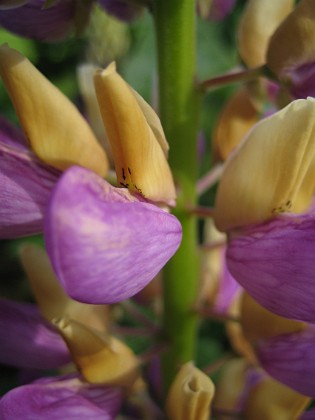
190 395
101 359
272 171
237 117
258 323
293 44
56 131
50 296
258 22
140 161
271 400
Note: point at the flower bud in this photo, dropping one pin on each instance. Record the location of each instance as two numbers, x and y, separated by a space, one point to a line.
101 359
190 395
136 136
258 22
56 131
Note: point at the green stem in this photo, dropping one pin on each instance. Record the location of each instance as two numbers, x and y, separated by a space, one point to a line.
179 108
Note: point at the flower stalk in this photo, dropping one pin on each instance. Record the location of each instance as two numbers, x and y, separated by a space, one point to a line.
179 105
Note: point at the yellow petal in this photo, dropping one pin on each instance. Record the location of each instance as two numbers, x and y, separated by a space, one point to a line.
50 296
190 395
271 400
136 137
293 44
258 22
85 74
258 323
56 131
272 171
238 116
100 358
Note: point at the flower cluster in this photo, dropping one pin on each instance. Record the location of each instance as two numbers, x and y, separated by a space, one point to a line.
108 237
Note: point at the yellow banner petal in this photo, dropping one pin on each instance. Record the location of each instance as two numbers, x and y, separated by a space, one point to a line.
136 138
272 171
258 22
55 129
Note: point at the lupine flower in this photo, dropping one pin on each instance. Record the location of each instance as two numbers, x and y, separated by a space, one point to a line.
266 214
283 346
89 223
106 364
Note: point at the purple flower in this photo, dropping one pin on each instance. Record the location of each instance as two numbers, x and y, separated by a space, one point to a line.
25 185
290 358
105 245
62 397
33 20
274 262
28 341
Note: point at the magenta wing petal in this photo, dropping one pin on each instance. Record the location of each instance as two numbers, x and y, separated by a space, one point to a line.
61 398
290 358
33 21
27 341
104 244
275 264
26 184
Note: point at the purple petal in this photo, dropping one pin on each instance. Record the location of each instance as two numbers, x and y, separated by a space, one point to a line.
27 341
302 81
104 244
290 358
61 398
121 9
26 184
34 21
228 289
275 263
